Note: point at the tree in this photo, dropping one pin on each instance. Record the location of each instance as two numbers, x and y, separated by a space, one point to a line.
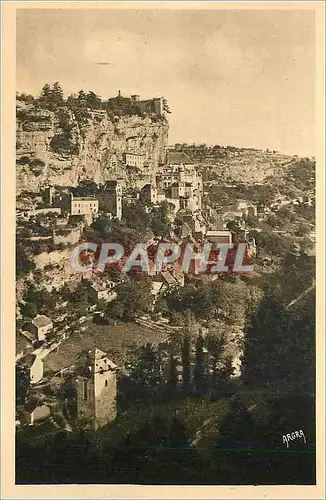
159 220
166 106
52 97
185 355
133 296
39 299
103 226
172 375
28 98
215 343
251 220
302 230
114 273
23 264
265 195
82 99
93 101
22 384
298 272
178 435
86 188
199 370
28 310
226 371
279 348
232 297
57 95
46 93
78 300
72 102
264 336
272 243
147 370
115 309
235 225
136 217
198 298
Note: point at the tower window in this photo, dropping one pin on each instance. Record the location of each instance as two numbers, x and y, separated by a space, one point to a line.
106 383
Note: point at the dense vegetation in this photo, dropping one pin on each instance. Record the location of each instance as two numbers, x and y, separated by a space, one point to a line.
171 433
52 98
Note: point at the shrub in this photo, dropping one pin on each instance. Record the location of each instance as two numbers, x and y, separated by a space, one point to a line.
23 160
37 162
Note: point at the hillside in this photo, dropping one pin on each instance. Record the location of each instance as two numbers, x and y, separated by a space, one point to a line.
229 164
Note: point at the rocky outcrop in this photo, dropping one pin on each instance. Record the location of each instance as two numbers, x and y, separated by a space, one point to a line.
60 148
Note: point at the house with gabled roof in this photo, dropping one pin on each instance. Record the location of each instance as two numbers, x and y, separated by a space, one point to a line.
41 326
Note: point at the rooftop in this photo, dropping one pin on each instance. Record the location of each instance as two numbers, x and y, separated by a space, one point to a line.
134 154
28 360
41 320
181 184
168 277
156 287
112 183
98 287
100 355
223 232
84 198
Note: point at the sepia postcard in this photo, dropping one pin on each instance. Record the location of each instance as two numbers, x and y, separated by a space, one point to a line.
163 250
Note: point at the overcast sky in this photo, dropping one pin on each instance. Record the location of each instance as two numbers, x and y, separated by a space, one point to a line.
230 77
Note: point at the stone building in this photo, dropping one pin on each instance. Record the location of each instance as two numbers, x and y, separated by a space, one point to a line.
179 168
154 106
41 326
102 292
223 236
83 205
112 199
247 208
134 160
34 365
48 195
96 390
148 194
181 181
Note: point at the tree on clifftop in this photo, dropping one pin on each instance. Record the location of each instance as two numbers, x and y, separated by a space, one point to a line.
51 97
57 94
93 100
166 106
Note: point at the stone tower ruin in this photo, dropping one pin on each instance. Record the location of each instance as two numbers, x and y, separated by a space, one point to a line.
96 390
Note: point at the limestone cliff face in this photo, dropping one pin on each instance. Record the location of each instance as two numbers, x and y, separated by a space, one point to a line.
62 149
